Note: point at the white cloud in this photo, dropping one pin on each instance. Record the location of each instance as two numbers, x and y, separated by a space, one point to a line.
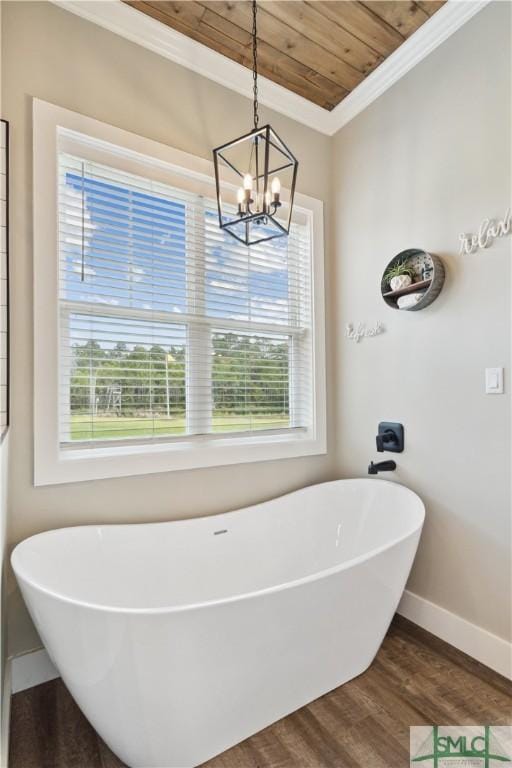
71 215
226 286
278 263
264 302
136 273
101 300
77 267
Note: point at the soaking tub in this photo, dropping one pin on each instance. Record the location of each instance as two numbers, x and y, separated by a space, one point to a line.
180 639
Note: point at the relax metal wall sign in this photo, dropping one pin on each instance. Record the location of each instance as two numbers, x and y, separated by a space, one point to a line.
488 231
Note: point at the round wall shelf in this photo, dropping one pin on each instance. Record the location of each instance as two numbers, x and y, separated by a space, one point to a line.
426 281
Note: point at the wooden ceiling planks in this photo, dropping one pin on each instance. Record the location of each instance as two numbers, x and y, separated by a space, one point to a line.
283 37
360 22
309 22
320 49
431 6
220 34
405 17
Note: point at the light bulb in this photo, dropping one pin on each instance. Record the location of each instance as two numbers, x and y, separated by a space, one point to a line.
267 199
276 186
240 196
248 182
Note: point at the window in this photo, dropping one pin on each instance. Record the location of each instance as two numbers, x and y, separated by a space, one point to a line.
174 345
169 327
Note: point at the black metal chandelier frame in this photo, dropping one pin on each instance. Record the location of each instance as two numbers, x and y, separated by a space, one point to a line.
255 219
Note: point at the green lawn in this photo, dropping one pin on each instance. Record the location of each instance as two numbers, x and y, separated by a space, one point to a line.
83 428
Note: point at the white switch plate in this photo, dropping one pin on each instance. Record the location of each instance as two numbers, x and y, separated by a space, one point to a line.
494 381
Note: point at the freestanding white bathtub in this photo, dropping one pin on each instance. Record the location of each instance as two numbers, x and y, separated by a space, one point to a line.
181 639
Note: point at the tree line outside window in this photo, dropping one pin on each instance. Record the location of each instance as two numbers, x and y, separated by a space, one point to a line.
250 376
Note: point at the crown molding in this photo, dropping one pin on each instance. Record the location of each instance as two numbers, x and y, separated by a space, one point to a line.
124 20
438 28
150 33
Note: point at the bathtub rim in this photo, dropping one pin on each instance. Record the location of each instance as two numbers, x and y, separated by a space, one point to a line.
325 573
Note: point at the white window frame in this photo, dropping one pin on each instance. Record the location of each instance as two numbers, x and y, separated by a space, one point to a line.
52 464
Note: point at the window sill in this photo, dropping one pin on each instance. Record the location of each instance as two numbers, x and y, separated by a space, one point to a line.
95 463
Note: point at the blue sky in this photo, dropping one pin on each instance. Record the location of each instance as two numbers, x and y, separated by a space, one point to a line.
135 257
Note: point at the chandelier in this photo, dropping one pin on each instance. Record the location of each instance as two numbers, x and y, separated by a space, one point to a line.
256 203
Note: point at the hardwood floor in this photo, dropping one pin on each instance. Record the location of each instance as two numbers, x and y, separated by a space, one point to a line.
416 679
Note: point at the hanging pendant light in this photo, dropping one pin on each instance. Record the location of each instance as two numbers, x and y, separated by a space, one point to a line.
254 171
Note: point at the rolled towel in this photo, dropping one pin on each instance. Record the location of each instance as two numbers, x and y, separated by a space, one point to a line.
409 300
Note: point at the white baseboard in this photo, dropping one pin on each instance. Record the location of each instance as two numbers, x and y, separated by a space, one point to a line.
478 643
32 668
6 716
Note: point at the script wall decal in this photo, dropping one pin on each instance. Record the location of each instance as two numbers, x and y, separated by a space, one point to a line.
362 332
488 231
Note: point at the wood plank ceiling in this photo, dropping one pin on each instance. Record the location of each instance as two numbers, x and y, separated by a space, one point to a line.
320 49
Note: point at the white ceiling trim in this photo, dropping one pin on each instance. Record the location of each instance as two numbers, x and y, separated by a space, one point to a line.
150 33
140 28
438 28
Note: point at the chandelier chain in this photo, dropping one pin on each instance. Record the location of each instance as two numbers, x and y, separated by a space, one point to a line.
255 64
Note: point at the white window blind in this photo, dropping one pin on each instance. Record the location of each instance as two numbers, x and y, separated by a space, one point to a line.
169 328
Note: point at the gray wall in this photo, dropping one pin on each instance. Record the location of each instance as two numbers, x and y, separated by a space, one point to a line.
54 55
429 159
4 455
4 690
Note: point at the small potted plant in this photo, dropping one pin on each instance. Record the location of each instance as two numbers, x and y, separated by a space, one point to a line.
399 276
